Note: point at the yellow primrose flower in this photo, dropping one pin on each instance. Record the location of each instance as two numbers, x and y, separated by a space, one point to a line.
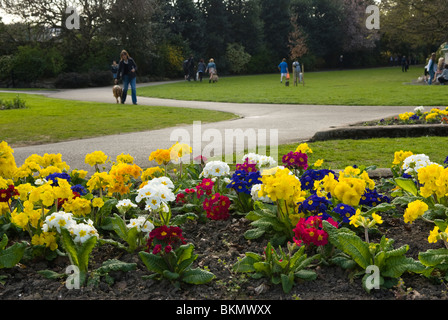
125 158
78 206
414 210
79 173
303 148
433 235
178 150
95 158
319 163
152 173
97 202
161 156
7 162
399 156
47 239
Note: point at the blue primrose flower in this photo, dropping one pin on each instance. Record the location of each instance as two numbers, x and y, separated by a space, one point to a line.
79 189
53 177
345 211
372 198
314 204
242 181
311 175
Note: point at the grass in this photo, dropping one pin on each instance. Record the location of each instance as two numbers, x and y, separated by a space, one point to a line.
338 154
47 120
379 86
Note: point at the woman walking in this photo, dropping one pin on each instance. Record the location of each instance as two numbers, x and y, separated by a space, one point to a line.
211 69
127 71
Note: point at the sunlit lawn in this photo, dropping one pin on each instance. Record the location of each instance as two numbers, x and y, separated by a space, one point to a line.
378 86
48 120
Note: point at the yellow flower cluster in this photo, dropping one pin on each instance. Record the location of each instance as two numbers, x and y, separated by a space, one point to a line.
405 116
100 181
121 174
303 148
46 194
178 150
95 158
80 207
414 210
161 156
348 188
399 157
436 235
7 161
434 181
28 217
281 184
125 158
47 239
41 166
358 220
151 173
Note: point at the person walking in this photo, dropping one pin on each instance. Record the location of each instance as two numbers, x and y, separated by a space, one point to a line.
211 69
114 69
296 72
432 68
201 69
283 68
127 69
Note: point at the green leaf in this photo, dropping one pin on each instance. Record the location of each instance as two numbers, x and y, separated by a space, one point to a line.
306 275
287 282
396 266
69 246
254 233
246 264
434 257
119 226
182 218
407 185
4 242
49 274
197 276
84 252
356 248
116 265
153 262
263 267
12 255
171 275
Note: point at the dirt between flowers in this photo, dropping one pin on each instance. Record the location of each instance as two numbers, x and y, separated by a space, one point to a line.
219 245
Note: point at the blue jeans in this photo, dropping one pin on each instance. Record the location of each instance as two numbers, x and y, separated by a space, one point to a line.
126 82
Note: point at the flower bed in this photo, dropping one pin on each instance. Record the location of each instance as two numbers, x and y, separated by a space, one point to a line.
417 116
266 230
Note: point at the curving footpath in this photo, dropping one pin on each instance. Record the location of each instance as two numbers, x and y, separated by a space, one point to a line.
293 123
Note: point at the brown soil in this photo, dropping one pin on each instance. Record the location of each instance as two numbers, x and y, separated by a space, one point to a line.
219 244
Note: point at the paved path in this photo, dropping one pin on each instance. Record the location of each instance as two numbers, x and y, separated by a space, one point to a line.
293 123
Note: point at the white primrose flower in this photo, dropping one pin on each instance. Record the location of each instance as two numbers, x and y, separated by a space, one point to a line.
419 110
82 232
215 169
155 195
141 223
58 220
254 193
162 180
260 160
415 162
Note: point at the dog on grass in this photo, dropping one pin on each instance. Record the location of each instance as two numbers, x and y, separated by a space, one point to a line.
118 91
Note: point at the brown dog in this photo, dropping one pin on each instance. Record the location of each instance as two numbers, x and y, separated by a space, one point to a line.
117 90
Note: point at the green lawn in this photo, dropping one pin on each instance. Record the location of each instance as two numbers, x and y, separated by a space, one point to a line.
47 120
378 86
338 154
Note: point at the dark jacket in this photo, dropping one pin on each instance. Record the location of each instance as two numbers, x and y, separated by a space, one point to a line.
125 68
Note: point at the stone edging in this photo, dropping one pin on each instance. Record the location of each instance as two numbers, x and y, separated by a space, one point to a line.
386 131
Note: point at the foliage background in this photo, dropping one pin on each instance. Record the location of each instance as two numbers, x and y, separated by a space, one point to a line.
160 34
